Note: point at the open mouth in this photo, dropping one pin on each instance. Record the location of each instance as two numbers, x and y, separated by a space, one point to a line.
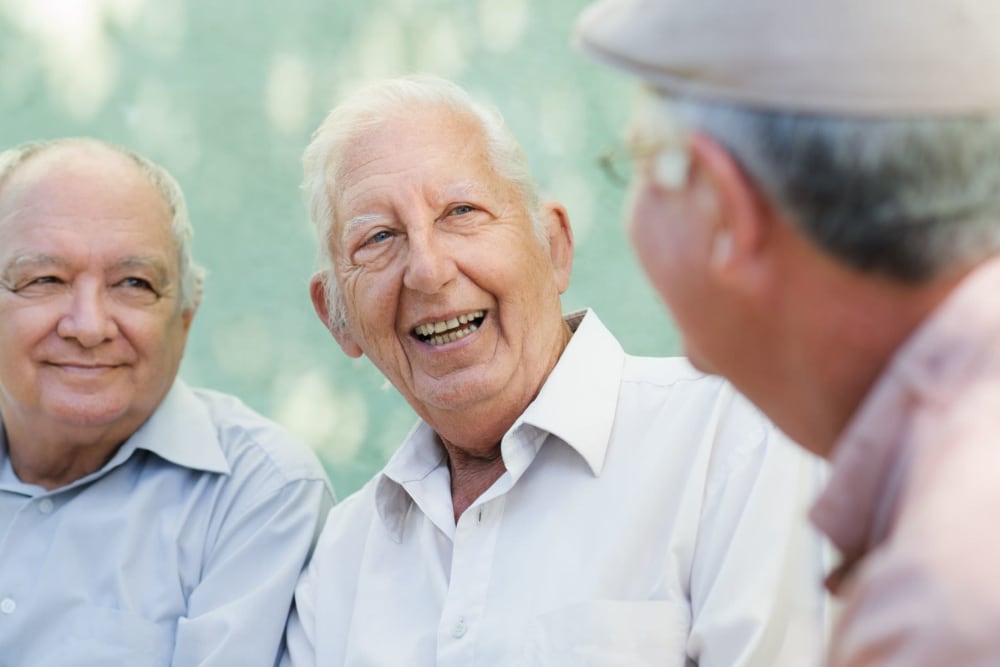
448 331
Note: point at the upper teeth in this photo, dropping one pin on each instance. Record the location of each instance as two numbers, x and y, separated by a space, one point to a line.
432 328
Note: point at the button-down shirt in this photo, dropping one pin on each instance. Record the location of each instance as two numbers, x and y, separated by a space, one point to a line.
183 549
647 516
914 498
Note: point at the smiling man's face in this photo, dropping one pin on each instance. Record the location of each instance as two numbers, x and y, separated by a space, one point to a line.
446 286
91 329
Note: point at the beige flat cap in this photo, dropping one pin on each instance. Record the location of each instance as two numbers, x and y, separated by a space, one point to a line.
867 57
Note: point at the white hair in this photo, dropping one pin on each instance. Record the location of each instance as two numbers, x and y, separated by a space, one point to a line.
191 275
908 198
375 104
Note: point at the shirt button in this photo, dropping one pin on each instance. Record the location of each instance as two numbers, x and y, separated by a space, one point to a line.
8 606
45 506
459 630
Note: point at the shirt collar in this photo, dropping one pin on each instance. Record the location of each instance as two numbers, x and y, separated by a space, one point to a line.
413 464
577 404
579 399
869 459
180 430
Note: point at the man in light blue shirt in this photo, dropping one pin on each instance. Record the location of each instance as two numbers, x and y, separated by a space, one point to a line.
142 522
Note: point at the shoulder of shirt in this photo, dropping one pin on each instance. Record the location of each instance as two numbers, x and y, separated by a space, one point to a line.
250 440
744 440
349 520
742 426
667 371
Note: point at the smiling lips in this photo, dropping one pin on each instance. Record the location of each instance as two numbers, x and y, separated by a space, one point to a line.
448 331
83 369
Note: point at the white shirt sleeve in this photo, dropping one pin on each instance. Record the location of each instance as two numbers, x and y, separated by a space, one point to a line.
756 584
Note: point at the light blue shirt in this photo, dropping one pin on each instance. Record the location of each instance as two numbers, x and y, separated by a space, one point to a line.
183 549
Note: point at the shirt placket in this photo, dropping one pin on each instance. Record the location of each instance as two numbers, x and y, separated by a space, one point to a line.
460 627
23 549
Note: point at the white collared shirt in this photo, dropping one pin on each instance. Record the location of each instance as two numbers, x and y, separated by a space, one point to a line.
648 516
182 550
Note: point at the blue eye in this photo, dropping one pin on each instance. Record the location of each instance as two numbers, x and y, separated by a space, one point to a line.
378 237
45 280
462 209
136 283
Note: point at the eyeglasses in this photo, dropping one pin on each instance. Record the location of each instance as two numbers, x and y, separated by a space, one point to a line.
669 162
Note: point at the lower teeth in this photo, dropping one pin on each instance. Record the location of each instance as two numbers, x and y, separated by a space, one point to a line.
452 336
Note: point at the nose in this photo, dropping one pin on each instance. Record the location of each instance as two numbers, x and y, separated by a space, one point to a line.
429 265
88 318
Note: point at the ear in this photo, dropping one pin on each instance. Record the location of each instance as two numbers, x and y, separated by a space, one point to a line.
737 220
187 314
560 236
187 317
317 291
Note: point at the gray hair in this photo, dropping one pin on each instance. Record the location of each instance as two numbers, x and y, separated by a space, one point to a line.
373 105
191 275
907 198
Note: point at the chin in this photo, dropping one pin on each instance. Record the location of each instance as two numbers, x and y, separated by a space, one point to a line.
89 413
460 391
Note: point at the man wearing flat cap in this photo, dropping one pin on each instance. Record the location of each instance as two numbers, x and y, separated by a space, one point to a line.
817 200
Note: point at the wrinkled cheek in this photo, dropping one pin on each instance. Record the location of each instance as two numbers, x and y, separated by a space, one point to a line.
360 303
371 313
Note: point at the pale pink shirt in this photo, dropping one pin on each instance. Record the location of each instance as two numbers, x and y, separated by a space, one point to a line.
914 499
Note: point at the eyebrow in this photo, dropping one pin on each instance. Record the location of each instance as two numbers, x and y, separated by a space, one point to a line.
40 259
21 261
459 188
360 221
153 264
456 190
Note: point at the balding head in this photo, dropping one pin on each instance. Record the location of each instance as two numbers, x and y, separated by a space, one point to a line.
38 156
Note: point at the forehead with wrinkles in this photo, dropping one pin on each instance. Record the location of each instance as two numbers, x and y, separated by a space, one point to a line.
436 153
64 186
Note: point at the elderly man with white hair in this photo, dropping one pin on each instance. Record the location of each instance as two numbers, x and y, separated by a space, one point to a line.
558 502
142 521
818 202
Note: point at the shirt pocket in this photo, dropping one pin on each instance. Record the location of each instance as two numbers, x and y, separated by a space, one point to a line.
99 637
610 634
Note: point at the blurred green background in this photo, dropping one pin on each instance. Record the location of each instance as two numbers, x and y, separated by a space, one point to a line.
226 95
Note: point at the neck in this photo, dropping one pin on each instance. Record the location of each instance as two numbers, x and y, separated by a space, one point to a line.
52 469
836 333
472 433
471 474
51 461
